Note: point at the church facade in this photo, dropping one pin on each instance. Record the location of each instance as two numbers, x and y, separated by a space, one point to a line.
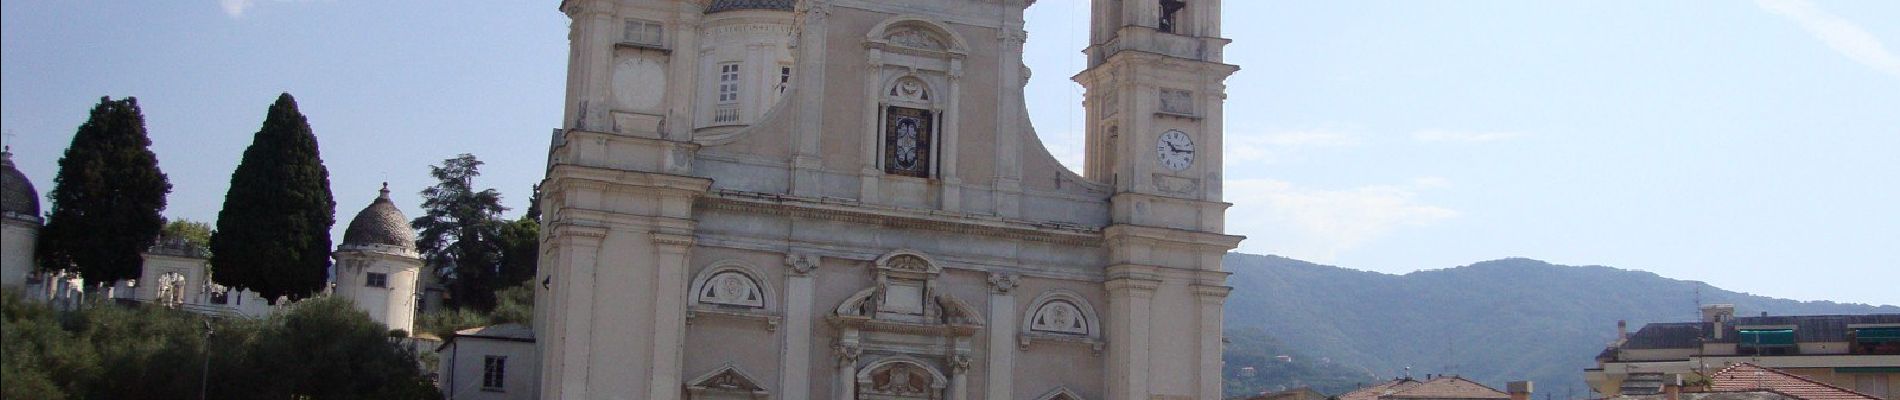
844 199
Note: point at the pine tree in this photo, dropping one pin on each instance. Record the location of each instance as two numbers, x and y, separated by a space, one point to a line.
460 233
273 234
106 198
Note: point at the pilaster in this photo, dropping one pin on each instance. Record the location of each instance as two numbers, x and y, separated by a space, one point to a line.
1131 290
795 367
1002 333
669 314
810 92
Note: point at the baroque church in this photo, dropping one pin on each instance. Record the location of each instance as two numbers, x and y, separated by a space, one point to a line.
844 199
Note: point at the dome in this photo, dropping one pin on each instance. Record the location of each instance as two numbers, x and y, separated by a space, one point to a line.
380 224
731 5
17 197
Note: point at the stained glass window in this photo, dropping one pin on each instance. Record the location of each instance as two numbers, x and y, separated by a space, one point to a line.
908 135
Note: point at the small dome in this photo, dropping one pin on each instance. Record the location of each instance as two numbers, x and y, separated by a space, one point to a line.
731 5
380 224
17 197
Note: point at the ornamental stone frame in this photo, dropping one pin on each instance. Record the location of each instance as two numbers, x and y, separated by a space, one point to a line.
913 49
1039 322
746 277
883 320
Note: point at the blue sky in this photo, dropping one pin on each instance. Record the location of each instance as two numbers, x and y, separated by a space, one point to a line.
1748 144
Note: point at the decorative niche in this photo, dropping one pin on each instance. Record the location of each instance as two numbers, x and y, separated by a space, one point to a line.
1061 317
732 289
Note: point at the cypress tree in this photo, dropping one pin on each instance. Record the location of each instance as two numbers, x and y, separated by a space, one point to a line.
273 234
106 198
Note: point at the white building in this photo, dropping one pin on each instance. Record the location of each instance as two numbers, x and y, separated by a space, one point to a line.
377 265
19 224
855 206
491 362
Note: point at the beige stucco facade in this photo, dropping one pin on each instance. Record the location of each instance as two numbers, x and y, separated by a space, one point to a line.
881 221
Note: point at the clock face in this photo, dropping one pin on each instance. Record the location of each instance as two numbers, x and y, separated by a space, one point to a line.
1175 149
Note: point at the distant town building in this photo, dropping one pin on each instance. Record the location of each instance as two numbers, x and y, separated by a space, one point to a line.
1448 387
491 362
1746 381
1298 393
1861 352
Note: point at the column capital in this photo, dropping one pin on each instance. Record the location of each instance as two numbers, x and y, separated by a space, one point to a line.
802 264
847 354
1003 283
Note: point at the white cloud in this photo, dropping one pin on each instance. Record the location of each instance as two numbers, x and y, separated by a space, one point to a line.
1275 145
1440 135
1840 34
236 8
1320 224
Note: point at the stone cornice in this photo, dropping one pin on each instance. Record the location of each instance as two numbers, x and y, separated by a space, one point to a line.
855 212
1150 234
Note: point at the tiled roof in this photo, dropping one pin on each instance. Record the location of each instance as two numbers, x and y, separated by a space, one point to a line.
503 331
1808 329
17 197
1811 328
380 224
729 5
1375 391
1667 335
1746 377
1450 387
1447 387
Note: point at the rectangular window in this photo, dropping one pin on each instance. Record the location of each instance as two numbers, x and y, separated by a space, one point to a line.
728 83
642 33
494 372
376 279
784 78
726 106
907 141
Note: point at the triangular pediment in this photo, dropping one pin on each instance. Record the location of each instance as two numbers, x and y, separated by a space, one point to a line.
726 378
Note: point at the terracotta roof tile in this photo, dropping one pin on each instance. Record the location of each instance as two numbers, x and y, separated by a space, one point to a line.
1745 377
1448 387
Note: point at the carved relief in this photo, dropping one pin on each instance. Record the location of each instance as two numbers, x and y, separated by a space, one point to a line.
900 378
1003 282
1059 316
802 264
915 39
725 382
1177 101
732 288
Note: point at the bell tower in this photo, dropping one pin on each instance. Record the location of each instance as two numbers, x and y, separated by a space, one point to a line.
1155 87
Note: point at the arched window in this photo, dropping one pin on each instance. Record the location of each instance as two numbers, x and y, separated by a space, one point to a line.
910 128
1171 16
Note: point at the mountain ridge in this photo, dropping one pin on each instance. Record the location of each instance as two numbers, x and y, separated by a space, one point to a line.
1492 321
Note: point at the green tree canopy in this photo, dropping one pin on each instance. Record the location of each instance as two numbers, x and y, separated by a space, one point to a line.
191 232
460 233
273 233
316 349
106 197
